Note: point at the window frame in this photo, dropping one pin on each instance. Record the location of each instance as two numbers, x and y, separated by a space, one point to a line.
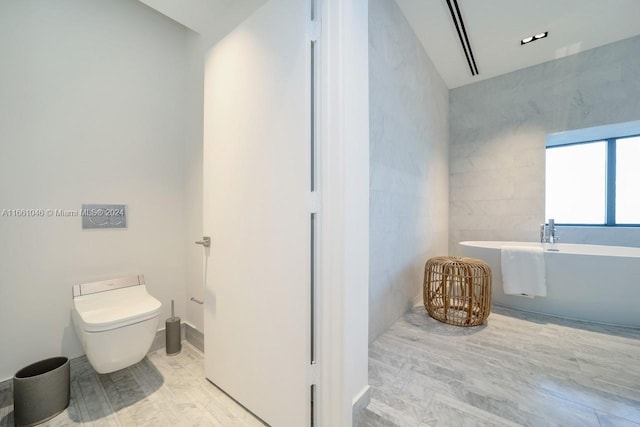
610 179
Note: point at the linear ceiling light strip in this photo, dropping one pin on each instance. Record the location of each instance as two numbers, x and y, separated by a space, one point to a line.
456 16
464 31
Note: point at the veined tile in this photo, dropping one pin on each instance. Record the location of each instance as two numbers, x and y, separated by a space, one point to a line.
607 420
444 411
518 367
158 391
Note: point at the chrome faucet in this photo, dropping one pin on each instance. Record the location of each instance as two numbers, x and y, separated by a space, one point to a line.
553 238
548 232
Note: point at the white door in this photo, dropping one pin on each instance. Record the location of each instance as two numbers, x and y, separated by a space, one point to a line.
256 211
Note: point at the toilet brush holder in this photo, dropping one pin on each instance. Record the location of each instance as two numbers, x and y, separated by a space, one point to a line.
172 334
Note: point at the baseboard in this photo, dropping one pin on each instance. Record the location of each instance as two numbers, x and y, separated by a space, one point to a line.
194 337
360 403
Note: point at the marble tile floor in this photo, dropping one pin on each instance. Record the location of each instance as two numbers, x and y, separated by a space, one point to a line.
516 369
159 391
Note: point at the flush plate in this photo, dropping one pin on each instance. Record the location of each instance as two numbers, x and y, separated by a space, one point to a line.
104 216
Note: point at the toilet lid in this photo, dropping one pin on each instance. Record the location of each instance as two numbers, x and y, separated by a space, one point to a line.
114 309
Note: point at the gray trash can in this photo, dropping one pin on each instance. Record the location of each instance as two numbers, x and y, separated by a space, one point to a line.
41 391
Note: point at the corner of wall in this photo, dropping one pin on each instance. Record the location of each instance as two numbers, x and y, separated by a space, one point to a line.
409 165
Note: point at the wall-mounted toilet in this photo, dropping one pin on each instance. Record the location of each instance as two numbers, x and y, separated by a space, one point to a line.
116 321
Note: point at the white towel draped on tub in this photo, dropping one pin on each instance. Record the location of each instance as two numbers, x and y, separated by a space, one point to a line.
523 271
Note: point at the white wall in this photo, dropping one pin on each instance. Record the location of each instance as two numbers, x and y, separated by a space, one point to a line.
194 314
498 133
409 104
93 110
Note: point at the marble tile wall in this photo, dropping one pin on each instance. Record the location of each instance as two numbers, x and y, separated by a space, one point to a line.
497 140
408 164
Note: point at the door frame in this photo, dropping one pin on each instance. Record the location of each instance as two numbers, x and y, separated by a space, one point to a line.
344 254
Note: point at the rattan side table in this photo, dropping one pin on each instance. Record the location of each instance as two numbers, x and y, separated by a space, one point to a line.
457 290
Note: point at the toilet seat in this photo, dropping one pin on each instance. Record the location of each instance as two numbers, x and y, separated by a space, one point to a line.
114 309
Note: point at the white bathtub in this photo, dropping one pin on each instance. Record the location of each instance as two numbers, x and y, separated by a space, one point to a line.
587 282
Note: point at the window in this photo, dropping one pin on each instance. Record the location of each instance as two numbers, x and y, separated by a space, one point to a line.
628 181
594 182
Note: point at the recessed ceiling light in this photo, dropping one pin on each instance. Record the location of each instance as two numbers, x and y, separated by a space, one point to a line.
530 39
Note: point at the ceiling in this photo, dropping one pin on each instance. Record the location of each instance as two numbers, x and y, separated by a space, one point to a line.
194 14
495 28
212 19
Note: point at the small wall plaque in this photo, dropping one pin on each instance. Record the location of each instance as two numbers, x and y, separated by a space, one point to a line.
104 216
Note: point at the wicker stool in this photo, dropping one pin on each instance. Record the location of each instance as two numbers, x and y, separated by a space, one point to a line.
457 290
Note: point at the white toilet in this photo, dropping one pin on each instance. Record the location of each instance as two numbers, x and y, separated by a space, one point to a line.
116 321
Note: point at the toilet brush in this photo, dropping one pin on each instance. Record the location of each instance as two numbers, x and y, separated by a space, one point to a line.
172 334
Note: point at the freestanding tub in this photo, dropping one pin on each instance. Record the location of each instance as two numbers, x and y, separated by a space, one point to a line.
586 282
